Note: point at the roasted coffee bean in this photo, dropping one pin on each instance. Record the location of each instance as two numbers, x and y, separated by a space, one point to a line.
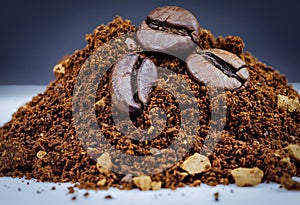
131 69
169 29
218 68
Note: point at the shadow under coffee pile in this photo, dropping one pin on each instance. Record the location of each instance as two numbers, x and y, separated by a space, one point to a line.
40 141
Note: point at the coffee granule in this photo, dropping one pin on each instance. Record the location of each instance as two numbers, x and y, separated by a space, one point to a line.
216 196
256 129
108 197
71 190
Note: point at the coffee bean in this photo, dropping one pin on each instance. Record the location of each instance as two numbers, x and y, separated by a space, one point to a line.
132 70
218 68
169 29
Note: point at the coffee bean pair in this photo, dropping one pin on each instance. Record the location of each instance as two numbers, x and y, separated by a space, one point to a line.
175 31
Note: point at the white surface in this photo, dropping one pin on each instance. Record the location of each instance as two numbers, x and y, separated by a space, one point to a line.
261 194
11 97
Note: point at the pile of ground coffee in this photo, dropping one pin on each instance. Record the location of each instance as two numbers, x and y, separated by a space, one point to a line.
40 141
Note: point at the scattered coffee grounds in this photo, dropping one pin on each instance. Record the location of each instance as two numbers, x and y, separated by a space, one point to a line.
86 194
216 196
108 197
71 190
262 128
73 198
53 188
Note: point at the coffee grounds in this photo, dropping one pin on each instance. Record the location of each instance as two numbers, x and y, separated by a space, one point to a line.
86 194
108 197
216 196
40 140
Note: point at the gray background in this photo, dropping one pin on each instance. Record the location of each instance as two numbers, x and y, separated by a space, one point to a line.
35 35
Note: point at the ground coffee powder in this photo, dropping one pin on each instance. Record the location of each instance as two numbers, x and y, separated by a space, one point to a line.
262 128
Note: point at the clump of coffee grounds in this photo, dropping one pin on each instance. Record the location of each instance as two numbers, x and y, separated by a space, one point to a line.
40 140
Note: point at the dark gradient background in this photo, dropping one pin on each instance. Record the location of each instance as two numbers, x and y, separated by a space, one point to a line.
36 34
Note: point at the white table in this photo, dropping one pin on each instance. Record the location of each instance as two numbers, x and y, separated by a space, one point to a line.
12 97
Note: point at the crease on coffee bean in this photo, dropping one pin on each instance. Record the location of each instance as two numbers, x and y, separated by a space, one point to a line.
155 24
138 62
224 66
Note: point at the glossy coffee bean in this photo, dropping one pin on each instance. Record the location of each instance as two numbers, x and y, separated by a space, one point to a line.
169 29
132 70
218 68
